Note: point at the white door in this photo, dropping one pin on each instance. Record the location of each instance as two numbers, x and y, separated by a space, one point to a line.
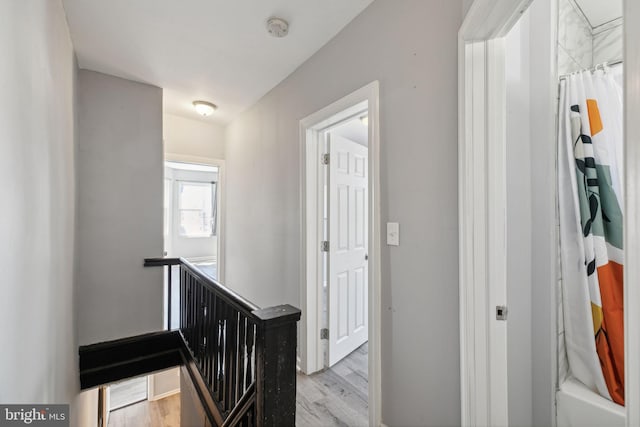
348 243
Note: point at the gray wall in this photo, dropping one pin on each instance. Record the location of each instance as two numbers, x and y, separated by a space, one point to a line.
519 212
411 48
38 362
120 195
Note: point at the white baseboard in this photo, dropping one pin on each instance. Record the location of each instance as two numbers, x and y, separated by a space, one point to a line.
163 395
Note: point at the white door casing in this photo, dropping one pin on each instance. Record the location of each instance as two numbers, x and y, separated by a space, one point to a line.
311 195
482 210
632 211
348 237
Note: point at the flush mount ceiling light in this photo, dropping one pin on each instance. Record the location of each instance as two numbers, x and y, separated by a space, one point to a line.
204 108
277 27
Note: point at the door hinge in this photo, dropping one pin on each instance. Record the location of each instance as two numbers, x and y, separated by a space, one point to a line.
325 159
324 334
324 246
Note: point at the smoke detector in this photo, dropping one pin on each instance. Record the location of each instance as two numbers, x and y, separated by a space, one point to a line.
277 27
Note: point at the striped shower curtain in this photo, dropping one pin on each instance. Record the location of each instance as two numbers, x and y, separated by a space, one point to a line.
590 194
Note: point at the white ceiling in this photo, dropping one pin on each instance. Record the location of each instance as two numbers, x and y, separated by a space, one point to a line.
600 12
215 50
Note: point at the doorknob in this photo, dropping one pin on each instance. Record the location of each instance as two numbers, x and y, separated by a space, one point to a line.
366 257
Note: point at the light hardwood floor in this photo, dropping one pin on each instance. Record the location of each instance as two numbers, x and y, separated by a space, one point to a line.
336 396
159 413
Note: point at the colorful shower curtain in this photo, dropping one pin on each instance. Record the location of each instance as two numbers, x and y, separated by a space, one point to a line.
590 192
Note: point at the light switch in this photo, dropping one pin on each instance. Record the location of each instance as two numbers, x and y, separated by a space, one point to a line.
393 234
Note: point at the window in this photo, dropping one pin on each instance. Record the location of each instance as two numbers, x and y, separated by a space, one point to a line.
197 208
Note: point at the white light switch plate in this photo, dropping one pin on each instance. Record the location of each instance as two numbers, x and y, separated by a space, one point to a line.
393 234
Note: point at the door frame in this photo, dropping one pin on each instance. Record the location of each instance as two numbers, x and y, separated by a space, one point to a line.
220 200
478 84
632 211
482 210
310 356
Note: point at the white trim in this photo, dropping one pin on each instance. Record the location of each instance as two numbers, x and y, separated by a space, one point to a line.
185 158
490 19
497 229
150 386
482 209
632 211
310 127
221 200
163 395
310 353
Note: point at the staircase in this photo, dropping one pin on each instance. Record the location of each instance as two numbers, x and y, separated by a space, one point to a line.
238 361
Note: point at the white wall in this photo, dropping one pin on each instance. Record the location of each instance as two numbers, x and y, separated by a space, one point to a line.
581 46
38 362
120 191
411 48
188 137
575 41
607 44
519 212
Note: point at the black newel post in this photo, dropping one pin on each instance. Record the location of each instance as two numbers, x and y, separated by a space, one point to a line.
276 366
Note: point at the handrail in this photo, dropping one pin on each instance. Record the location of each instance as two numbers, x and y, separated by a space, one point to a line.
231 296
159 262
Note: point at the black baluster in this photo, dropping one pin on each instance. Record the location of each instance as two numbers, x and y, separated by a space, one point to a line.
221 361
215 325
242 331
251 333
209 328
232 346
182 297
169 267
201 321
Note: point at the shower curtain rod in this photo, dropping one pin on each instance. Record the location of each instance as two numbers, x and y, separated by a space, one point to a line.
607 64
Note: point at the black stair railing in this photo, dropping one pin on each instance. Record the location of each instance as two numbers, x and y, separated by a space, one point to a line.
241 359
